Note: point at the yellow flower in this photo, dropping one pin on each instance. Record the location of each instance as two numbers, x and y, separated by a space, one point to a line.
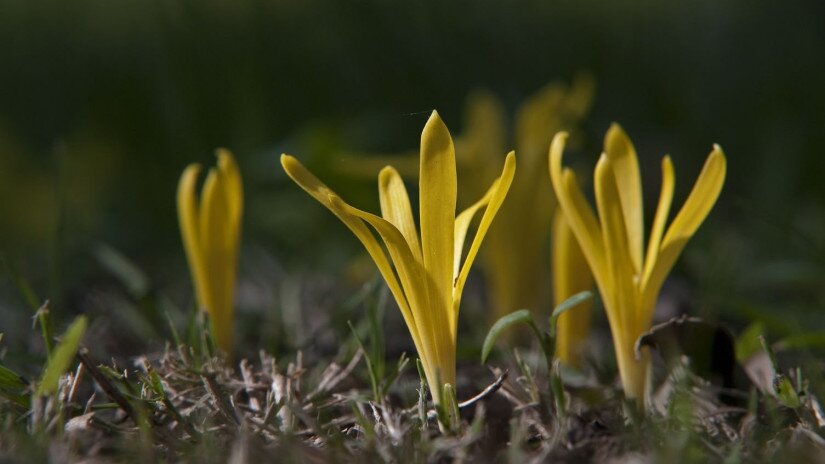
570 276
513 260
629 279
211 234
426 276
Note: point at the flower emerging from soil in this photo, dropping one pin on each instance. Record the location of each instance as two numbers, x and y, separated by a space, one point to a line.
428 276
211 234
628 279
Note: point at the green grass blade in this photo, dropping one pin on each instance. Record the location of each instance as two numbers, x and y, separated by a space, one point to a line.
567 305
62 357
516 317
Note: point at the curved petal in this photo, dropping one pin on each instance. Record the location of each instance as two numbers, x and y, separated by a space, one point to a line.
660 220
696 208
437 193
189 221
234 188
622 155
483 136
427 322
621 302
217 252
395 207
536 119
462 224
570 276
309 183
501 186
577 211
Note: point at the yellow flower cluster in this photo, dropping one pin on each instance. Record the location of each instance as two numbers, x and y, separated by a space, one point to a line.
628 278
211 233
426 264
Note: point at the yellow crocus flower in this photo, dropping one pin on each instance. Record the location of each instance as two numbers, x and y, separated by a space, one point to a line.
211 235
513 259
424 272
570 276
629 279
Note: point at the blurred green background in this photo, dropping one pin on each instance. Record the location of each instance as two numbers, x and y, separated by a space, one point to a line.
102 105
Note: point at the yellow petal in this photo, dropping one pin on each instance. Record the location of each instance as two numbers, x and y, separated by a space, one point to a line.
660 220
190 228
499 192
462 224
218 252
234 190
580 96
621 302
570 276
537 119
482 139
437 190
577 211
696 208
622 156
395 207
426 323
307 181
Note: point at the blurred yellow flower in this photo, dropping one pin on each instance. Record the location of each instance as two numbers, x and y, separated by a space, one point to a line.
570 276
211 235
428 277
628 279
514 259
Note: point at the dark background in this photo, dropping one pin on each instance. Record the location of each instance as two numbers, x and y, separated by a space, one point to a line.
102 105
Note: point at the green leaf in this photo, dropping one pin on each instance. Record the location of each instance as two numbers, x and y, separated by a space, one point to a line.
520 316
12 387
802 341
123 269
62 357
748 344
786 394
567 305
9 379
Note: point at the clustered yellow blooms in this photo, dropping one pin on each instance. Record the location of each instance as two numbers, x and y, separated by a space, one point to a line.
629 279
513 259
211 235
424 273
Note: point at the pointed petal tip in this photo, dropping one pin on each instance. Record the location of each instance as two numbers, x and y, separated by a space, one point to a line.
603 165
560 137
192 167
435 122
386 173
615 130
287 160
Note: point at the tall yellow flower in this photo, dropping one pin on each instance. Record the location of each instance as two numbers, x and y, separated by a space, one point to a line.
513 260
629 279
426 276
570 276
211 235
